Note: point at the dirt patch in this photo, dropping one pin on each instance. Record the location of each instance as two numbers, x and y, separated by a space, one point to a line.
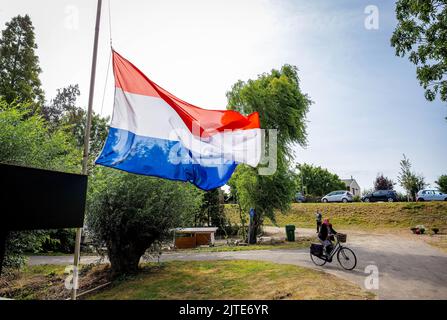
48 282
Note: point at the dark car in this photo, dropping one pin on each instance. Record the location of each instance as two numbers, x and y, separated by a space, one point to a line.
299 197
380 195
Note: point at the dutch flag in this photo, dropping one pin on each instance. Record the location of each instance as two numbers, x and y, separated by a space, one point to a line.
155 133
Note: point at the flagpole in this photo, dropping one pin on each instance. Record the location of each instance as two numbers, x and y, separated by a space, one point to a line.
77 253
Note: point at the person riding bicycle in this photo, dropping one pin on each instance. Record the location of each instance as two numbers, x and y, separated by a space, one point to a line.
326 236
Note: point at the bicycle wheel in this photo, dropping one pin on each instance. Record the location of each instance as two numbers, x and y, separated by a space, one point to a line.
317 260
346 258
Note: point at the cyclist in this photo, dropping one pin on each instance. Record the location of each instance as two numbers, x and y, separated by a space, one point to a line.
326 236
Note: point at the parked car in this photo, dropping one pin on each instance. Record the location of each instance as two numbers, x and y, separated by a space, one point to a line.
299 197
338 196
380 195
431 195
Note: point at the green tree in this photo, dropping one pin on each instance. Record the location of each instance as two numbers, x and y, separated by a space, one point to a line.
442 183
265 194
317 181
62 113
74 122
19 64
383 183
63 103
128 213
282 106
212 209
26 140
409 180
421 33
19 242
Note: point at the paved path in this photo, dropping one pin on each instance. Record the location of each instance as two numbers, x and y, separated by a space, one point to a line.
408 268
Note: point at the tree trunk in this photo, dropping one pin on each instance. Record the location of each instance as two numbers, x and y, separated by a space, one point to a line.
209 217
242 221
256 223
124 259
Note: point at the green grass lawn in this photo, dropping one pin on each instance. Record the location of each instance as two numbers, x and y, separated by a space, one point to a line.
226 280
230 280
358 215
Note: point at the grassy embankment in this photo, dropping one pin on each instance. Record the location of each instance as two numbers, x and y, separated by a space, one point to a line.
361 216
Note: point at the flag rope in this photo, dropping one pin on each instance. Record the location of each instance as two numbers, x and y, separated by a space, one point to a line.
110 57
110 24
105 83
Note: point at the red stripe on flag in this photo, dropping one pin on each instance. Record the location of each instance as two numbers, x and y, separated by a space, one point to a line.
130 79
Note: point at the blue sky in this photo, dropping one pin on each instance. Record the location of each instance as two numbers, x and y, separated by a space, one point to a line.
369 108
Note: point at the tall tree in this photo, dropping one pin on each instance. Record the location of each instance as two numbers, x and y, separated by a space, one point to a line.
19 64
281 105
442 183
317 181
212 210
409 180
421 33
383 183
74 122
62 113
63 103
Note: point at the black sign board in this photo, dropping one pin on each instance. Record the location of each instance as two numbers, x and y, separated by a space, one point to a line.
33 199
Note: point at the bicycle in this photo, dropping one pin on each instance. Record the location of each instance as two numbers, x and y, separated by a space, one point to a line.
345 256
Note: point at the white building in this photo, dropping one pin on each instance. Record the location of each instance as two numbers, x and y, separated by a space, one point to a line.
352 186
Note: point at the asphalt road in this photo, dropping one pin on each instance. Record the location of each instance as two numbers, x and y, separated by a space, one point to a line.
407 268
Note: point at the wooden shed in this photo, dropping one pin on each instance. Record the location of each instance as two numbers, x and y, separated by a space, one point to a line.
193 237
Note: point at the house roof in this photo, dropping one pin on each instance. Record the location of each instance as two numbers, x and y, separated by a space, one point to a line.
196 230
348 182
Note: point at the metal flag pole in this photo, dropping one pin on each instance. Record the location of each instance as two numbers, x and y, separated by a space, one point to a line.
77 253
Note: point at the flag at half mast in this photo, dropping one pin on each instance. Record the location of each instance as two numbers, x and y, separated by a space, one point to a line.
155 133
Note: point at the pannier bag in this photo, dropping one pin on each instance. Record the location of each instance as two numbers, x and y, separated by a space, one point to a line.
316 249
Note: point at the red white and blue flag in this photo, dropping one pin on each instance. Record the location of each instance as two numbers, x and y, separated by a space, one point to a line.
155 133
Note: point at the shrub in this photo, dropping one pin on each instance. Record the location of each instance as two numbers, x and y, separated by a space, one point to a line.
128 213
26 140
59 240
421 228
310 198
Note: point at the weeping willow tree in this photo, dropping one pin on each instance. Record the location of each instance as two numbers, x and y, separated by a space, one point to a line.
281 105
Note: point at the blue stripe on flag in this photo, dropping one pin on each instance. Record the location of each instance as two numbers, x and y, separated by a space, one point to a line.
162 158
